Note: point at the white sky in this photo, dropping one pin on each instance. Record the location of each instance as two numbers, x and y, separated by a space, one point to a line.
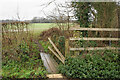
27 8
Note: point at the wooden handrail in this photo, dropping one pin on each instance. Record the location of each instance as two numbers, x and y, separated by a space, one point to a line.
95 29
94 48
56 49
55 54
105 39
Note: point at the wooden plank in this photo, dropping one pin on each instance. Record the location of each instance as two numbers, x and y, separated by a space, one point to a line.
95 29
54 62
56 49
50 63
56 54
94 48
45 63
55 76
105 39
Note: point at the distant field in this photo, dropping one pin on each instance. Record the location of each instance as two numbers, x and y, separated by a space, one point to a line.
38 27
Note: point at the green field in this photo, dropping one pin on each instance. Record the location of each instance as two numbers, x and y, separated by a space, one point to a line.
38 27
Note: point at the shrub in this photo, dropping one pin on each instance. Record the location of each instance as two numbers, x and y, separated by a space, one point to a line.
92 66
50 33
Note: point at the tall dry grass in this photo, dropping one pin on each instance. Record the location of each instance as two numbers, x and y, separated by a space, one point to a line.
14 33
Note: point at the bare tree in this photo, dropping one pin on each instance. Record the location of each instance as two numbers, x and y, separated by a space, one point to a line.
61 14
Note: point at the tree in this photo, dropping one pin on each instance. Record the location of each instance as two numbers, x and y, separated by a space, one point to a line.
81 12
106 14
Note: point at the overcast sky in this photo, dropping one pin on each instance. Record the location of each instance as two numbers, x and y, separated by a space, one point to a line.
27 8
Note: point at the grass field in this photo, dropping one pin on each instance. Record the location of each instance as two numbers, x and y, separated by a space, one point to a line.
38 27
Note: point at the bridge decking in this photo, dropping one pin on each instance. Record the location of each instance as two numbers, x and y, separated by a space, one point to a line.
49 62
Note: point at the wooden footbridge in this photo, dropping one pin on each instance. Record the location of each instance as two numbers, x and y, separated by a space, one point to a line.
49 62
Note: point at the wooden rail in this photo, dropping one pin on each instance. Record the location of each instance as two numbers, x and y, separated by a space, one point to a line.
56 54
56 49
67 49
94 48
105 39
95 29
59 55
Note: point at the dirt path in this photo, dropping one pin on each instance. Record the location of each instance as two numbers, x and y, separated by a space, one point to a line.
49 62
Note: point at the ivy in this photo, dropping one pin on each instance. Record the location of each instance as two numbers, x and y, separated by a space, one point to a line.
92 66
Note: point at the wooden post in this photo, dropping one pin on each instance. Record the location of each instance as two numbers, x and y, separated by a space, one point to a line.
66 47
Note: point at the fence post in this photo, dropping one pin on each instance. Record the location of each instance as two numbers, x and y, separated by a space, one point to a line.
66 47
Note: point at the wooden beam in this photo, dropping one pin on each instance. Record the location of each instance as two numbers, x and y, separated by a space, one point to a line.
55 76
95 29
56 54
56 49
104 39
92 48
